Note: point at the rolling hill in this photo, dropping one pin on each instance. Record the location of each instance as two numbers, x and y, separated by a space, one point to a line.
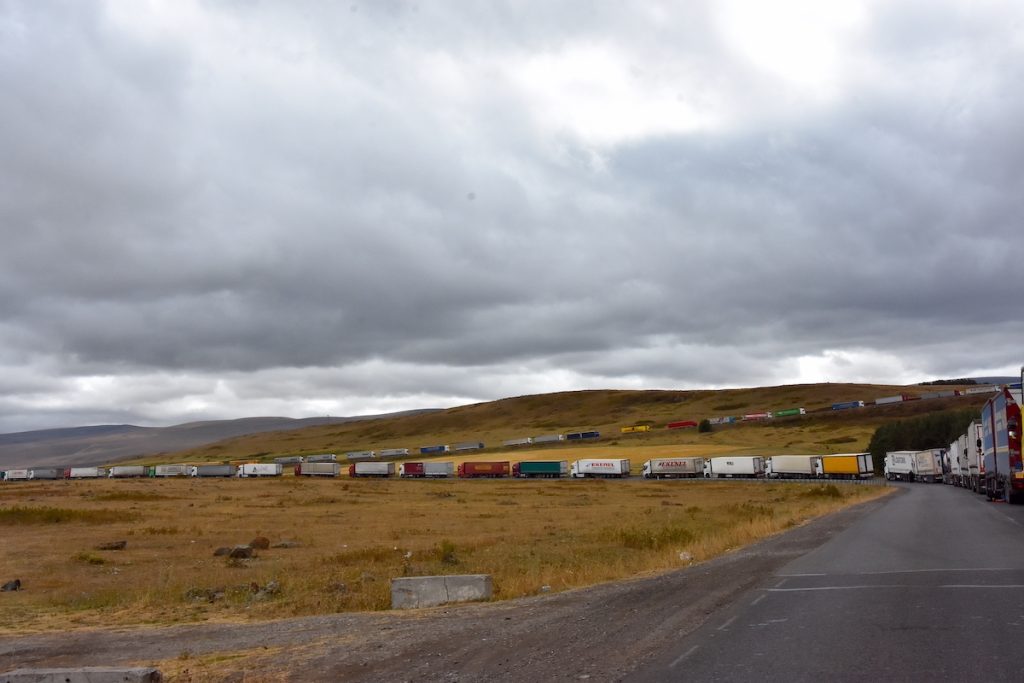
820 431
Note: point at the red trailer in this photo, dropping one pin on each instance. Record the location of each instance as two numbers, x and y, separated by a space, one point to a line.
476 470
681 424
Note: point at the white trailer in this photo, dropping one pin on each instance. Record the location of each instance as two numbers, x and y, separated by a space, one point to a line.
525 441
361 455
86 473
956 462
791 467
289 460
260 469
734 466
322 457
549 438
975 462
16 475
673 468
171 471
599 468
371 469
389 453
889 399
980 390
45 473
127 471
469 446
900 465
318 469
928 466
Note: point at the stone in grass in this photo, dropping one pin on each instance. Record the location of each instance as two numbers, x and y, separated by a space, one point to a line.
241 552
220 552
287 544
113 545
11 586
260 543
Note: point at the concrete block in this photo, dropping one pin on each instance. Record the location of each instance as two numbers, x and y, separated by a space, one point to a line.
411 592
87 674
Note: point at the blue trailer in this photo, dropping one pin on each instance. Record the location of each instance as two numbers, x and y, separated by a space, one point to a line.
579 436
847 405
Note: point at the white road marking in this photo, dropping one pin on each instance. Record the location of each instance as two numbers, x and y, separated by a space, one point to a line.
759 598
910 571
728 623
780 583
882 585
797 575
683 656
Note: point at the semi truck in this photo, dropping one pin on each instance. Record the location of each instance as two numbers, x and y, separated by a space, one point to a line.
484 470
581 436
213 471
549 438
127 471
46 473
540 469
845 466
84 473
681 424
317 469
371 469
430 450
928 465
599 468
524 441
975 460
846 405
260 469
361 455
16 475
426 470
322 457
168 471
756 417
789 412
394 452
289 459
734 466
956 461
1001 446
673 468
469 446
633 429
791 467
900 465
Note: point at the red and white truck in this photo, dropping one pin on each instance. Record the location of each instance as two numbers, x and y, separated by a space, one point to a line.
426 470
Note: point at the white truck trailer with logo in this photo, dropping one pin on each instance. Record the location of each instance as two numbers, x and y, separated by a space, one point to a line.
170 471
601 468
673 468
900 465
260 469
317 469
734 467
16 475
791 467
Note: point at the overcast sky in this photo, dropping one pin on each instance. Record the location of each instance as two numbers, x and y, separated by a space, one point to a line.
225 209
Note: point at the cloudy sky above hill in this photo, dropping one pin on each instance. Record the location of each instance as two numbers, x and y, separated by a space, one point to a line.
226 209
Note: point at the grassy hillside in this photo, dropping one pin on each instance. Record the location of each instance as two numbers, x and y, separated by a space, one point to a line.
821 431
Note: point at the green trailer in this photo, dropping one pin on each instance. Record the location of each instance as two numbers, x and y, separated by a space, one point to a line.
789 412
545 469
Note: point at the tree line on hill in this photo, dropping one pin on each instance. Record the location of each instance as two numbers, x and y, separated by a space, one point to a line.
935 430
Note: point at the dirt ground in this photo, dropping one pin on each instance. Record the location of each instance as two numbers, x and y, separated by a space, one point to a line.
599 633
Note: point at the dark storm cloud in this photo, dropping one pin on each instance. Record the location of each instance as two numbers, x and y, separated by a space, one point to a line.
229 209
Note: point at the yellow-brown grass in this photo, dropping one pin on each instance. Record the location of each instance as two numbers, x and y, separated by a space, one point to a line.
356 535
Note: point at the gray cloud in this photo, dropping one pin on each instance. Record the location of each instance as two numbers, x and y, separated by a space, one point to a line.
217 210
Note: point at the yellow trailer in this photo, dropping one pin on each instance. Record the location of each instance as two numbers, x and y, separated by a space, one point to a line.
846 466
635 428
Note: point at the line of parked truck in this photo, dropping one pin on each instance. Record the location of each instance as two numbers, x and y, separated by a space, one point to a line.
836 466
986 458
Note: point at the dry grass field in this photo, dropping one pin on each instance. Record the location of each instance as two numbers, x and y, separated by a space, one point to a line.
349 538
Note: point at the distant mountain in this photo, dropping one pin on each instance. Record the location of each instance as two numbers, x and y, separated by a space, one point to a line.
97 445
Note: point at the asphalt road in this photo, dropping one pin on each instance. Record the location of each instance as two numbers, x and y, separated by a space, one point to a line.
927 587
